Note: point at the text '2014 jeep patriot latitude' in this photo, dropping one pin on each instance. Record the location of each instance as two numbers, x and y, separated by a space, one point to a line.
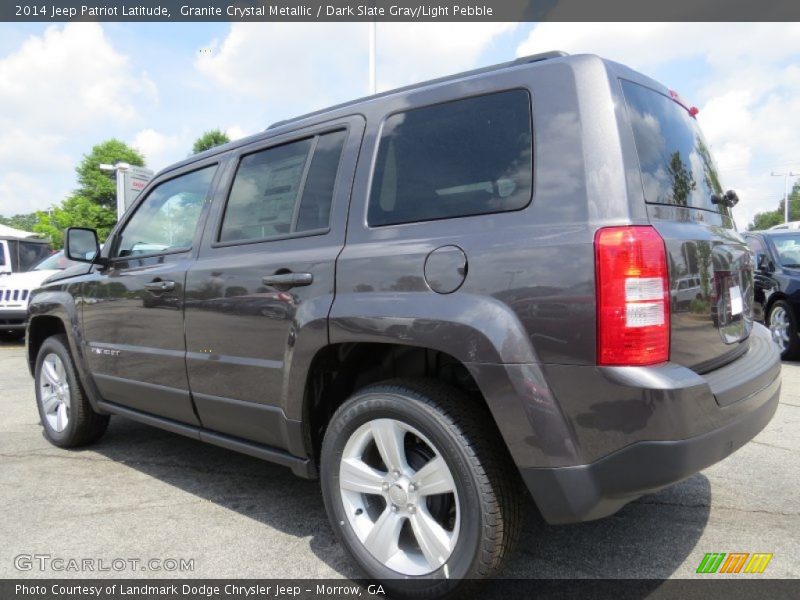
426 298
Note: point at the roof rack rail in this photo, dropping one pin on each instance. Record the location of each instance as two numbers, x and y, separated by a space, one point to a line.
513 63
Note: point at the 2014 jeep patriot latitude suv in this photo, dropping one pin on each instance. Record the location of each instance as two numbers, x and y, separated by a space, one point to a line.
425 298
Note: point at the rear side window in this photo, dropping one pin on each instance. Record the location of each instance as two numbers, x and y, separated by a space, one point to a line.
31 253
461 158
283 190
675 160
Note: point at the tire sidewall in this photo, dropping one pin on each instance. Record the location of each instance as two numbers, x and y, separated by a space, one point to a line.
375 404
794 344
55 346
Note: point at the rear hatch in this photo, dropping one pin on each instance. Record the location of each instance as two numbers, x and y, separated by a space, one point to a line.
710 265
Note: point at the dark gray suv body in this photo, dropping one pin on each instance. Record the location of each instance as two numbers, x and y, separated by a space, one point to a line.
489 263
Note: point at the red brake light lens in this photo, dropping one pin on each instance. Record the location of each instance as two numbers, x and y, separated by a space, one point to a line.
632 296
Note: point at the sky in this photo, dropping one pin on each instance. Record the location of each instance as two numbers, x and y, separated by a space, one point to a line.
158 87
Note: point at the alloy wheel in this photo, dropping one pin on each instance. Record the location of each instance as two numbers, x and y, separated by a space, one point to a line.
54 392
399 496
780 327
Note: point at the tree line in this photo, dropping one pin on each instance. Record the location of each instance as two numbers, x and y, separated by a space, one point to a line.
765 220
94 201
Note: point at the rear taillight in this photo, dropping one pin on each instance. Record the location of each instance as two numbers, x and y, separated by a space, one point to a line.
632 296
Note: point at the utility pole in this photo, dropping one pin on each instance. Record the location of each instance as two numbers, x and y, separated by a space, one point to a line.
372 58
785 176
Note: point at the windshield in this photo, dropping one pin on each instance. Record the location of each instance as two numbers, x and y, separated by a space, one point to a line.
788 247
674 158
54 262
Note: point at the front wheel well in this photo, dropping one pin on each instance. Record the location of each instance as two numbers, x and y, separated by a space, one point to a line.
39 329
339 370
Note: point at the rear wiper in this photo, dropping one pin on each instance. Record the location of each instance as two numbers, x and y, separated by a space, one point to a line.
729 199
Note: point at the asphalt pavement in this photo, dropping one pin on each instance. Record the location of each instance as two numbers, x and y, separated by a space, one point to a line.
144 497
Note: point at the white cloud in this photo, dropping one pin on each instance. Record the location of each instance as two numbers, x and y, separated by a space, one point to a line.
747 88
642 45
161 149
69 81
412 52
69 78
22 193
298 67
234 132
31 151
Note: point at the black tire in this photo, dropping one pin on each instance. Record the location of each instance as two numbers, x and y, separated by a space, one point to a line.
463 432
792 350
84 425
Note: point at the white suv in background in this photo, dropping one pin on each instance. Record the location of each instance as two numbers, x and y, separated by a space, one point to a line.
789 225
15 291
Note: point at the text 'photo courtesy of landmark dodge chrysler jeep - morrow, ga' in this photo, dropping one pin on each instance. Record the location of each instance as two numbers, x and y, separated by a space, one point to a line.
430 299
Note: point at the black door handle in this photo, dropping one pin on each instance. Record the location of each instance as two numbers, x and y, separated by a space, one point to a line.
160 286
288 280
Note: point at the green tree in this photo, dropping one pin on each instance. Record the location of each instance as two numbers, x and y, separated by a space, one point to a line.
75 211
765 220
683 182
25 222
100 186
209 139
94 203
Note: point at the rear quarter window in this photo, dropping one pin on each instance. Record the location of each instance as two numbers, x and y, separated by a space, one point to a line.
467 157
675 160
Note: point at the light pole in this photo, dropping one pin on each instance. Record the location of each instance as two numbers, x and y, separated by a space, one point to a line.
785 176
119 169
372 58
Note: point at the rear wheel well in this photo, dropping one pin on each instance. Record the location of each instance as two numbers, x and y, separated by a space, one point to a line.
340 369
39 329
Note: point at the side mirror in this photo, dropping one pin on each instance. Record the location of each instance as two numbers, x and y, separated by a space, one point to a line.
764 263
81 244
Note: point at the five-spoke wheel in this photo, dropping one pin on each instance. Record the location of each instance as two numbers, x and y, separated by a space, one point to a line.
419 487
67 416
399 496
783 327
55 394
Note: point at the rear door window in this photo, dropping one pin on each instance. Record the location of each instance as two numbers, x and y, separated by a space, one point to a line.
283 190
461 158
675 160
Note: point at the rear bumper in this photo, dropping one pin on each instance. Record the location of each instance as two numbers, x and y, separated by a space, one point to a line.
13 320
615 434
587 492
